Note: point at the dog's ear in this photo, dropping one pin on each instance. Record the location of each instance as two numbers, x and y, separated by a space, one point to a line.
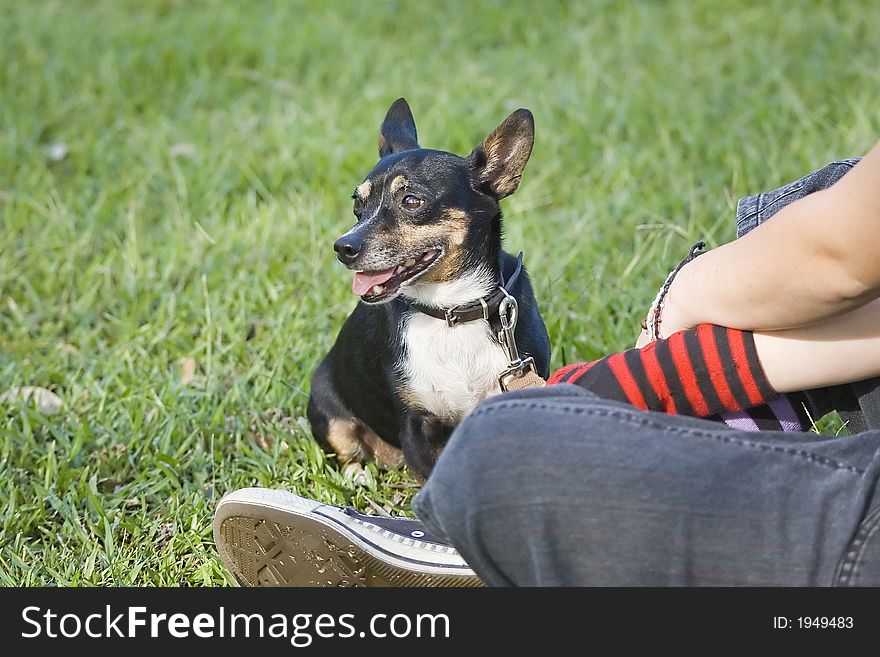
398 131
498 161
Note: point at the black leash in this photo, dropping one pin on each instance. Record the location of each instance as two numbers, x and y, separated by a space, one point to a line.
482 308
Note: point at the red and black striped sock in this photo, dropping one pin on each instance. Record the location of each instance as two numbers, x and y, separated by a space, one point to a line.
709 371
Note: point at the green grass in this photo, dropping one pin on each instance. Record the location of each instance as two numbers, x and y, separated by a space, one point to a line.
210 152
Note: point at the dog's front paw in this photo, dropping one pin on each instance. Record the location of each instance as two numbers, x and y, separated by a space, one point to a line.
355 473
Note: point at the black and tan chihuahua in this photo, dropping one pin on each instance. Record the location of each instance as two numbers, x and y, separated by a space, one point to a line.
422 348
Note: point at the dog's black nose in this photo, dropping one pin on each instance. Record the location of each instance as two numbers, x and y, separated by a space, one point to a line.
347 248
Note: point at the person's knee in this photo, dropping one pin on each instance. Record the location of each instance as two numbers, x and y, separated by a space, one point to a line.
503 432
511 444
499 431
455 482
513 464
469 470
494 454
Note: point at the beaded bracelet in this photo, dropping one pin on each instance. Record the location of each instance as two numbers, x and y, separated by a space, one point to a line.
652 322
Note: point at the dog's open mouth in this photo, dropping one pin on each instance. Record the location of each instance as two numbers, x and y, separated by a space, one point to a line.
376 286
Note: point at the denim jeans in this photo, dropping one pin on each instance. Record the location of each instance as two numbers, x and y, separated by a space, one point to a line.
754 210
555 486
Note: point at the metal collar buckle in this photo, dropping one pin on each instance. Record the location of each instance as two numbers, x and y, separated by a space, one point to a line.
452 319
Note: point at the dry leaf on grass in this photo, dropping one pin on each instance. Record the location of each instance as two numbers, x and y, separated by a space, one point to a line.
57 151
48 403
187 370
183 150
265 442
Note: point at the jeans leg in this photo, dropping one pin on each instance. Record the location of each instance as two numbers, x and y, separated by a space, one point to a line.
861 564
558 487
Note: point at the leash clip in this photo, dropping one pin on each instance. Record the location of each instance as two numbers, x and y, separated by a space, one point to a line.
508 313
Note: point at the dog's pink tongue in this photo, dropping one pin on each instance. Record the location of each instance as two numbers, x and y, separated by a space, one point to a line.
364 280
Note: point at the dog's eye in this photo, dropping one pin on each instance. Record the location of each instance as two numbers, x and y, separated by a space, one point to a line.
411 203
358 206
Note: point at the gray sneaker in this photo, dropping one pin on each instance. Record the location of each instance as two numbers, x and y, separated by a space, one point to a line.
269 537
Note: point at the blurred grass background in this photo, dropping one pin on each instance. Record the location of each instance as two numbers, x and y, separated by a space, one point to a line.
173 174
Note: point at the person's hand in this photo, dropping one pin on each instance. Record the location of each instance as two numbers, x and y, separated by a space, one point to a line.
664 317
672 319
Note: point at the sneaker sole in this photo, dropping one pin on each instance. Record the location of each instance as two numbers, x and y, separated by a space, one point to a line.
270 537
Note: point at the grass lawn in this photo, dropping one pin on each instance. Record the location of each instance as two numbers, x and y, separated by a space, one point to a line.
173 174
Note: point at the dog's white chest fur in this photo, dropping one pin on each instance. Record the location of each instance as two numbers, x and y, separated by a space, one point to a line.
449 370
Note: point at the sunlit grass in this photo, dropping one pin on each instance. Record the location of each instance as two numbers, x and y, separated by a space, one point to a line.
173 174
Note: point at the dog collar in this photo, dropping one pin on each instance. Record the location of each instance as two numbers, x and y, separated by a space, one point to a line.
482 308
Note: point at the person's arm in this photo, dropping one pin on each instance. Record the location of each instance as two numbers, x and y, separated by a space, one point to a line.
711 370
816 258
842 349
